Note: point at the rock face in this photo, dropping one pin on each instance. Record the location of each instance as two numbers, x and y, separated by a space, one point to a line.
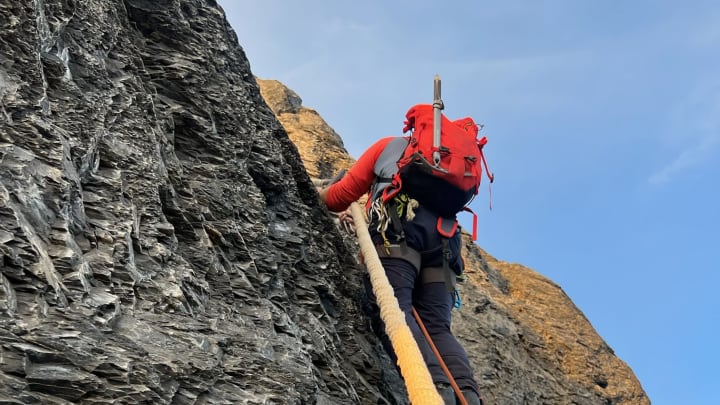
161 241
528 342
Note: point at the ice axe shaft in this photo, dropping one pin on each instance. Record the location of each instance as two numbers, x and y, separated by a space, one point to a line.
437 108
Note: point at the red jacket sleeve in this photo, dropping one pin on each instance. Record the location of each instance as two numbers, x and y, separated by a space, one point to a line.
358 179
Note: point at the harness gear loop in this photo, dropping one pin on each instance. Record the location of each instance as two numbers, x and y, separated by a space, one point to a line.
457 300
377 213
387 213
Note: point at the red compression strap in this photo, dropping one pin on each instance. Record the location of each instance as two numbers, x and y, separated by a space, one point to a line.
475 222
489 175
393 189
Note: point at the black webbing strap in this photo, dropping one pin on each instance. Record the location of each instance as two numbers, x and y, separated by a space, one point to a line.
438 275
391 209
401 251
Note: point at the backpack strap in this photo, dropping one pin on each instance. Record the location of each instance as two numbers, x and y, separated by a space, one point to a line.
385 170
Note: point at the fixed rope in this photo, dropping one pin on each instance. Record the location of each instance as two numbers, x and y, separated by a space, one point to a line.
419 383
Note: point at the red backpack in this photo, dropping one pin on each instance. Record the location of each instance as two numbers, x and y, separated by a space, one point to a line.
448 186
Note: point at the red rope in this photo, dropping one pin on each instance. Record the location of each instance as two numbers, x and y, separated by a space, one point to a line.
447 372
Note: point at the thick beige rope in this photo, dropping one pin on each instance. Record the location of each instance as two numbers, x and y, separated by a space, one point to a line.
418 381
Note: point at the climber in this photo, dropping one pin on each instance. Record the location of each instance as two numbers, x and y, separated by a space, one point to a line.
419 249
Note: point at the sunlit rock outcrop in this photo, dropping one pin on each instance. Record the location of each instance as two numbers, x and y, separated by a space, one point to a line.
320 147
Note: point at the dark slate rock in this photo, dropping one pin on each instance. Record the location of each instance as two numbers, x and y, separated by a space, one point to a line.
160 240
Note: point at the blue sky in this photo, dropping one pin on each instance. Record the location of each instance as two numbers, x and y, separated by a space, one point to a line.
603 119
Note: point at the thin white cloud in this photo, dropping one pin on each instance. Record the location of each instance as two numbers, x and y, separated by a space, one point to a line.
345 26
696 133
692 156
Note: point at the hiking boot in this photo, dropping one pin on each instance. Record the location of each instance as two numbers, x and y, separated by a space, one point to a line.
472 398
446 393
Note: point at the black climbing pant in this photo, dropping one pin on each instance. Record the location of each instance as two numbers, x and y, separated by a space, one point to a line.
433 303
